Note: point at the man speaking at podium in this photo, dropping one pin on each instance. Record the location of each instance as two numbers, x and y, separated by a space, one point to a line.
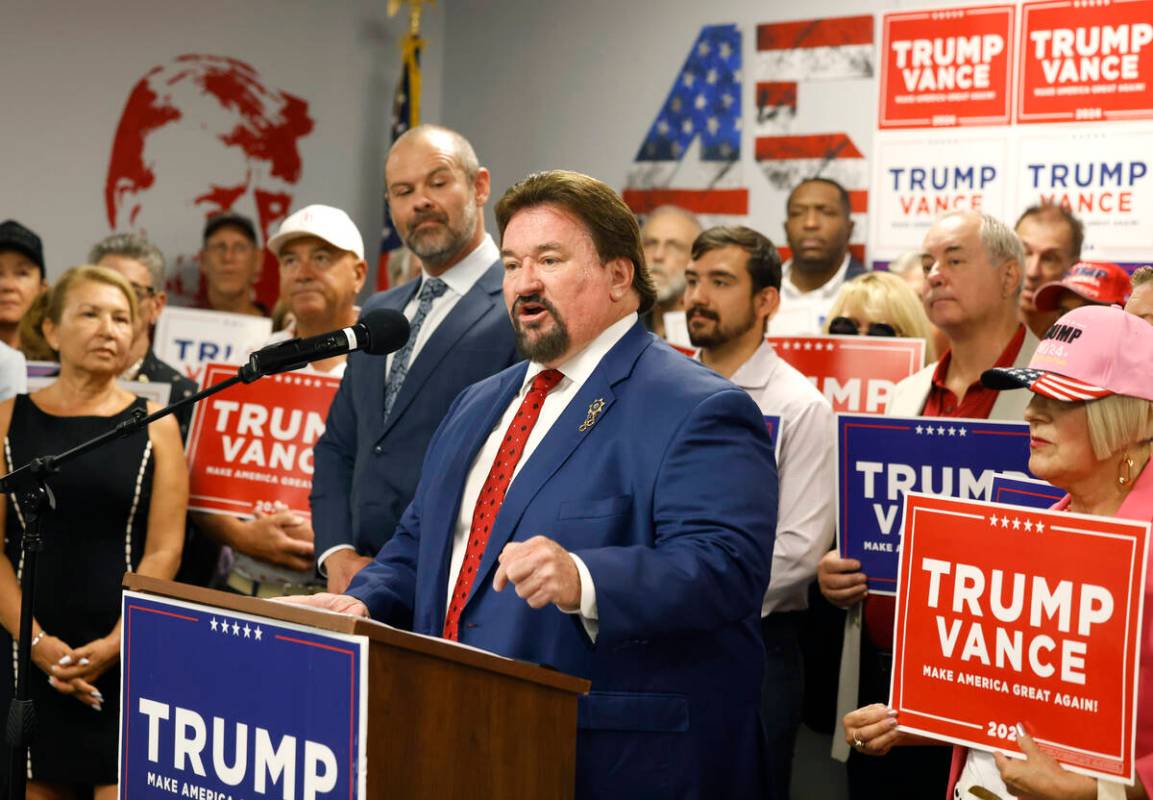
606 508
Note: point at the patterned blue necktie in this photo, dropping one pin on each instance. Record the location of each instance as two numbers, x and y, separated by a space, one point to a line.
432 289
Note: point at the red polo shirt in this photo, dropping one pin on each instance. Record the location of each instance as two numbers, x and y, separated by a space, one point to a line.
977 404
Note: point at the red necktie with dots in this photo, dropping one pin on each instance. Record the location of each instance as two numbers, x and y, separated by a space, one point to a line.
492 494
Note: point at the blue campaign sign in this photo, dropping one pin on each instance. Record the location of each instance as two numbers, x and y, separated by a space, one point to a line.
223 705
1015 491
881 458
773 424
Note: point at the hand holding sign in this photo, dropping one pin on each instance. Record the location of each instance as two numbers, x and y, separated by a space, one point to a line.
841 580
1039 774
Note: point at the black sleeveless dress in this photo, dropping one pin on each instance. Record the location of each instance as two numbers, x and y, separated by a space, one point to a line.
95 534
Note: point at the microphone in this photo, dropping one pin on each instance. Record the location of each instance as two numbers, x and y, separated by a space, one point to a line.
377 333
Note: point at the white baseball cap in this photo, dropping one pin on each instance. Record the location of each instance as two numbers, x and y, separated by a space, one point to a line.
325 222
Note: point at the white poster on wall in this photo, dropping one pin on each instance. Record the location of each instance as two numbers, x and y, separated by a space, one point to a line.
187 338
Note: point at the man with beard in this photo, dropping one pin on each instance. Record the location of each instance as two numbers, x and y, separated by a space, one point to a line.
818 226
379 425
606 507
1052 238
733 289
667 236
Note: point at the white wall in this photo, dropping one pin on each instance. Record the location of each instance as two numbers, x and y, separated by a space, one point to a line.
66 69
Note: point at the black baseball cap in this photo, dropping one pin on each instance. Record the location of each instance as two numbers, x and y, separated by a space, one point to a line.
238 221
14 236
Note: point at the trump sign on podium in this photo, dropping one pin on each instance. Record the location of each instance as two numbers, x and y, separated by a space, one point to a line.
1007 615
881 459
854 373
251 445
191 724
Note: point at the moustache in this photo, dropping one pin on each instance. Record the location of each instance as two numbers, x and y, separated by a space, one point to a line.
536 300
697 311
432 216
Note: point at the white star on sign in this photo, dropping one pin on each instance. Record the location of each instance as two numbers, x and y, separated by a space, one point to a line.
212 624
1016 524
929 430
920 429
1004 522
224 627
703 49
235 629
700 102
247 631
993 521
808 345
1040 527
952 431
688 80
726 50
1029 525
258 633
962 432
940 430
711 76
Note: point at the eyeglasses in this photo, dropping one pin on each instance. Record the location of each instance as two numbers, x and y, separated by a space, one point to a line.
845 326
143 292
221 249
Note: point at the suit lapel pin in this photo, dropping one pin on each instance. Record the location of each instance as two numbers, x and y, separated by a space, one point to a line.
595 409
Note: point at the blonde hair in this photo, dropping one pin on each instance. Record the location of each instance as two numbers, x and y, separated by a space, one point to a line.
1118 421
1141 276
87 273
886 298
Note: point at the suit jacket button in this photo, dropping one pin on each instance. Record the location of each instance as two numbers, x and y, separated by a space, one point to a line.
378 449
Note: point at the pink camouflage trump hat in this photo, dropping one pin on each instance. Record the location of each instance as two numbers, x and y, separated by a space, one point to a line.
1091 352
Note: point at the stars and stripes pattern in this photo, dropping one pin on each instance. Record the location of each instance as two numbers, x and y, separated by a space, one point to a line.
405 115
1050 384
690 156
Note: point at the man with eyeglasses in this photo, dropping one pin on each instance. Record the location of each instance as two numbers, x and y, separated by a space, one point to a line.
732 289
321 257
230 263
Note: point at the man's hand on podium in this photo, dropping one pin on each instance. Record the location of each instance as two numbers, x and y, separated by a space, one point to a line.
341 567
340 603
542 571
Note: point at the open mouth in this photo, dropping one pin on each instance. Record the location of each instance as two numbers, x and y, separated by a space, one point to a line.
531 313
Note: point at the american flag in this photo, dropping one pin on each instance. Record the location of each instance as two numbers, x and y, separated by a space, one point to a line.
790 55
405 115
691 154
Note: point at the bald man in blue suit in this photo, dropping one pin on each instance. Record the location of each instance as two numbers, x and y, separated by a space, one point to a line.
614 520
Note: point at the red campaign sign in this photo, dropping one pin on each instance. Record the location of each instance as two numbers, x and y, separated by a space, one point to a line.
1086 61
251 444
948 67
1007 614
854 373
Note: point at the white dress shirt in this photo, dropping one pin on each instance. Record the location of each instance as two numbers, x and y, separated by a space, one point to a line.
576 371
460 279
805 474
804 313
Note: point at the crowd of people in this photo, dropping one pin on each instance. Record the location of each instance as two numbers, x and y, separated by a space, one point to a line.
682 559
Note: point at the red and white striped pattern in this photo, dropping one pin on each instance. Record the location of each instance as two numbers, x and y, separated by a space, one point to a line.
1059 387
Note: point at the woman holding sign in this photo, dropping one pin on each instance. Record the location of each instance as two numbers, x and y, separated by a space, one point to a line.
119 508
1091 426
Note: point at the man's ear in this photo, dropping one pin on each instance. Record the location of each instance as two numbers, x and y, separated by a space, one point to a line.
361 270
159 301
1013 278
766 302
482 186
621 272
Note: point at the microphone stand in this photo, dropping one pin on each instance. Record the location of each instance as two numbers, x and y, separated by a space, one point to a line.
29 484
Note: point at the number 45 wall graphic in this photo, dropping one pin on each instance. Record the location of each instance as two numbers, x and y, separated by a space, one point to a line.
812 104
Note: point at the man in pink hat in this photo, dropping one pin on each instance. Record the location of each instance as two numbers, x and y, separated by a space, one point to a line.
1088 283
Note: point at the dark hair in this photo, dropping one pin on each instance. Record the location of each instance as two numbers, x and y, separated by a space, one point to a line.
841 191
764 263
230 220
1076 228
610 223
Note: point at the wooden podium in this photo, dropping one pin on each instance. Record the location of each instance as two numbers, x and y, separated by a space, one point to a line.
443 721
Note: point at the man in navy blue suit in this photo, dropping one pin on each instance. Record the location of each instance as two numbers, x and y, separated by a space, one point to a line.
382 418
606 507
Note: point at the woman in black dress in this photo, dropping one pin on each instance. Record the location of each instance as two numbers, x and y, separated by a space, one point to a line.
120 508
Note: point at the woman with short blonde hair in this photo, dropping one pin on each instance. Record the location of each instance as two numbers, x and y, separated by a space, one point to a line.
878 298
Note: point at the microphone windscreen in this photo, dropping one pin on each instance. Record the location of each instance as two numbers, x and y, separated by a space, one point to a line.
387 331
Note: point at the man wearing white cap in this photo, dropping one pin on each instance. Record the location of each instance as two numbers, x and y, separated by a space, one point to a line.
369 459
322 267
